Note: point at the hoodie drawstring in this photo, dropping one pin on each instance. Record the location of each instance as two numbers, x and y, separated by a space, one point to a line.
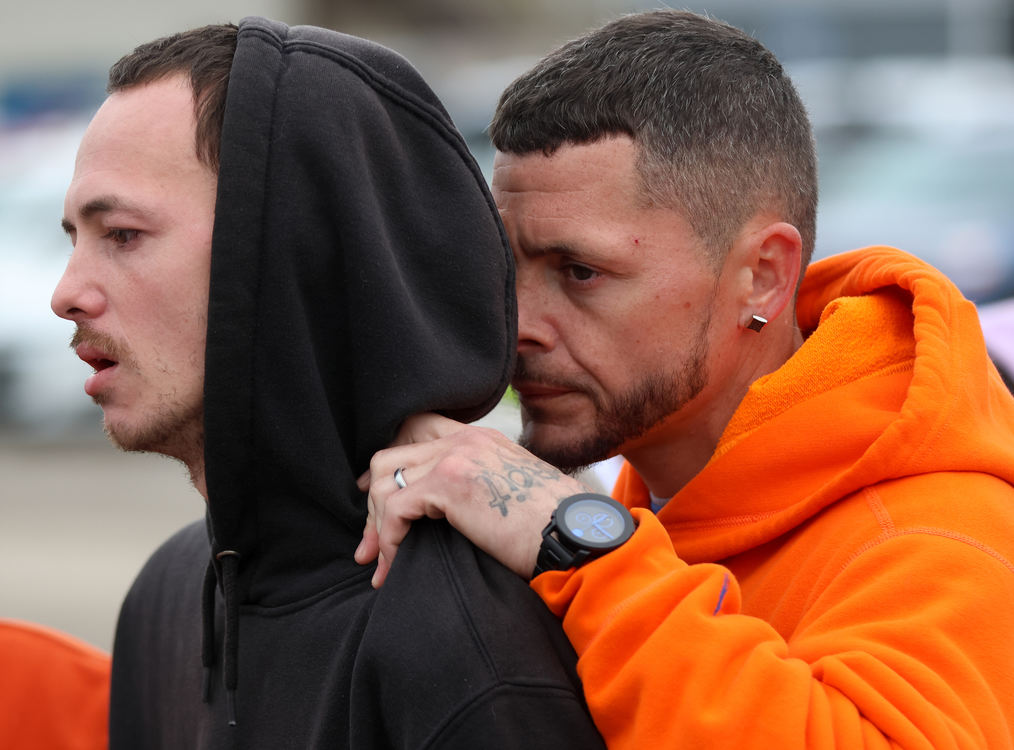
208 629
229 560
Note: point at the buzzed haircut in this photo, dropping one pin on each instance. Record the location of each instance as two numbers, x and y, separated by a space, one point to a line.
720 129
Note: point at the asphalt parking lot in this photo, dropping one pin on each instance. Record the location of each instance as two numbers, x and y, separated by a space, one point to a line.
77 520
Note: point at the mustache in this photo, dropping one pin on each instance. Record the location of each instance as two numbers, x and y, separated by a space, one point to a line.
112 348
526 372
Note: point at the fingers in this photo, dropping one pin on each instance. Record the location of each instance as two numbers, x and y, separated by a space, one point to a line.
489 488
390 536
391 508
421 428
364 481
380 575
369 547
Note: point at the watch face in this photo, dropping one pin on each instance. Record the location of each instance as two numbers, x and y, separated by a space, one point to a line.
596 522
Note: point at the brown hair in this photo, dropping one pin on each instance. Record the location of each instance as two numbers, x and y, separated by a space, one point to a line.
204 55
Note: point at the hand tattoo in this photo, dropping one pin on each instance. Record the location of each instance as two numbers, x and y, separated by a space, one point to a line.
512 480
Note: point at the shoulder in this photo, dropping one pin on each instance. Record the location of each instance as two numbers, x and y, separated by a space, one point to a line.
169 583
465 642
973 508
45 652
49 674
970 501
443 583
186 549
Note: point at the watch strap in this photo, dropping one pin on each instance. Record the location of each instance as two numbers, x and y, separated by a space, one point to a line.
554 556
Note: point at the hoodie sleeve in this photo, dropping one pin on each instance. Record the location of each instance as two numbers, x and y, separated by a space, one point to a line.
908 646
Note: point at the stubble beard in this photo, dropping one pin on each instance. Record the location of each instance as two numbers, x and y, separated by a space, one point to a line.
625 416
175 429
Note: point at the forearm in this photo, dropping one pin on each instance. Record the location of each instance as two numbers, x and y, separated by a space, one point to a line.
668 658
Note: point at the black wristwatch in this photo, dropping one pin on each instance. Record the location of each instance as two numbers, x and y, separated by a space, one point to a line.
586 526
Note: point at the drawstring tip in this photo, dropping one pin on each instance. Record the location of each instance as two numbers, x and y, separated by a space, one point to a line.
206 685
231 698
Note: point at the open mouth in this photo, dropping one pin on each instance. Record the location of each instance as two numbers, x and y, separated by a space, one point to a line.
101 353
101 362
98 361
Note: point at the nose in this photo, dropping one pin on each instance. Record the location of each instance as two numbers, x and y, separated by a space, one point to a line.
76 296
536 328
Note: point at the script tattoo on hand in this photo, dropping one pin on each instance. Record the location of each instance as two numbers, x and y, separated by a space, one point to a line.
513 479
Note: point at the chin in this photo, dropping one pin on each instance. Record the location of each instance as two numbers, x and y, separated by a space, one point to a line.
566 453
129 438
177 434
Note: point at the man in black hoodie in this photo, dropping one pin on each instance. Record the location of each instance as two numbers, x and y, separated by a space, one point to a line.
267 304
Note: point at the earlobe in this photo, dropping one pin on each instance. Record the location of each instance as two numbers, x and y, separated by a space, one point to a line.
776 256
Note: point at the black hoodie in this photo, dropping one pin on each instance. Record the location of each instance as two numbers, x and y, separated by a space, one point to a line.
359 275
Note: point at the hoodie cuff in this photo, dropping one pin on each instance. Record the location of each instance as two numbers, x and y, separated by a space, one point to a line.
585 598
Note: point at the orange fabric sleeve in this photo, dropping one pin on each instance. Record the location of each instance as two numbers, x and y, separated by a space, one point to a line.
668 659
54 690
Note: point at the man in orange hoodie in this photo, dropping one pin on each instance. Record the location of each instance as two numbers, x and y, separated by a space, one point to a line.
815 546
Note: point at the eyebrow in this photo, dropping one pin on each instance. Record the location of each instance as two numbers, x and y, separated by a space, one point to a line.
102 204
556 248
579 254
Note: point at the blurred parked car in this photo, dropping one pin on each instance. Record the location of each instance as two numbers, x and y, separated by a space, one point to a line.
918 154
41 381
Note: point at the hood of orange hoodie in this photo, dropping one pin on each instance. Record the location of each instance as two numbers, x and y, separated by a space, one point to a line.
892 380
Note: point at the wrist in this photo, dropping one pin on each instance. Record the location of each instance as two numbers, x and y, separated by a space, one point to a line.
581 528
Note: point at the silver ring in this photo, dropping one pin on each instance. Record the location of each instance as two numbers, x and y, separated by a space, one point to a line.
399 478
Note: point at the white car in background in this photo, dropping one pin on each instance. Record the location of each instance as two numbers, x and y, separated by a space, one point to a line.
41 381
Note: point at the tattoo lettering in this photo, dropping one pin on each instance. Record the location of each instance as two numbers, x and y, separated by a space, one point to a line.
513 480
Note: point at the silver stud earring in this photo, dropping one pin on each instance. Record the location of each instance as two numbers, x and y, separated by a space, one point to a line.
756 323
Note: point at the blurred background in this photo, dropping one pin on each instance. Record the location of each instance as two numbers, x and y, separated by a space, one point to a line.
913 102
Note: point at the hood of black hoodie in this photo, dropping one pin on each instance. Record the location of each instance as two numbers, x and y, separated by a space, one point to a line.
359 275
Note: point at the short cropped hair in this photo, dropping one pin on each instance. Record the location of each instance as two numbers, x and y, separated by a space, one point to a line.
721 131
204 56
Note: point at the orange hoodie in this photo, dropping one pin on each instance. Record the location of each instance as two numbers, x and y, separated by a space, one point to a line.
841 573
54 690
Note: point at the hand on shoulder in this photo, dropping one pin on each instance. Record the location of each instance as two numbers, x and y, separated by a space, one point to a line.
489 488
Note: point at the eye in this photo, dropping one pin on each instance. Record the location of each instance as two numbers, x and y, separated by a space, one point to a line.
579 272
121 237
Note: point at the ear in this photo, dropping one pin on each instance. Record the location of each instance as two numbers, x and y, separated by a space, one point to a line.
775 257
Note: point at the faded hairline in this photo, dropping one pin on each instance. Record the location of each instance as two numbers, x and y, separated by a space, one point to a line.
720 132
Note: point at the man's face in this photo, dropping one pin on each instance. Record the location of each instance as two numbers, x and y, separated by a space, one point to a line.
617 305
139 212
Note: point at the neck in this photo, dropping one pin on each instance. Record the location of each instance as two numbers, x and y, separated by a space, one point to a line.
195 468
197 479
672 453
